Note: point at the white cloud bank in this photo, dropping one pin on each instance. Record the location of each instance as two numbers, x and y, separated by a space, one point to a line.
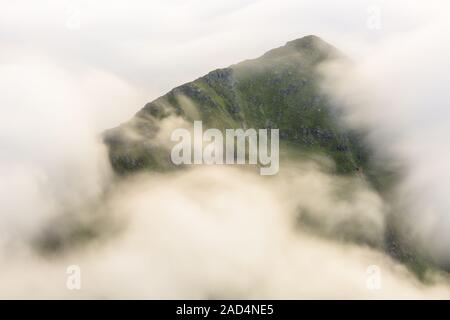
218 232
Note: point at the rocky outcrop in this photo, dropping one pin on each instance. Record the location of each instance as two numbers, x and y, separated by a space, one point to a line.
281 89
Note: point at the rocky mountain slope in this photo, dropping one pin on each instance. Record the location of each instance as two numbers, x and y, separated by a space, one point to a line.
280 89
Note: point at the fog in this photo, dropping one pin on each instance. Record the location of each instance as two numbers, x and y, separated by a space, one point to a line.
69 70
224 232
405 105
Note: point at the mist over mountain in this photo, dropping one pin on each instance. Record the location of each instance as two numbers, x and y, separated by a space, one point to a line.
282 89
362 185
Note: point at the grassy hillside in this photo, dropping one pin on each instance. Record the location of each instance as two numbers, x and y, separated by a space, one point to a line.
277 90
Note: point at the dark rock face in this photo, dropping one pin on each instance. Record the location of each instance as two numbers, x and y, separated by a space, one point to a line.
280 90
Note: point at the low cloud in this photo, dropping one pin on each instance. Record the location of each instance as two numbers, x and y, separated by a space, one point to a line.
222 232
398 94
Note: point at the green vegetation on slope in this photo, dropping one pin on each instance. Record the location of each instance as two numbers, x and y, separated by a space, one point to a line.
278 90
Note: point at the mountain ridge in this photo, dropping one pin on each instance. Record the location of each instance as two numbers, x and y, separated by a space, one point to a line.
280 89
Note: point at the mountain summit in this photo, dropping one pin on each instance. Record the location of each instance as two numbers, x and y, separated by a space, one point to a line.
280 89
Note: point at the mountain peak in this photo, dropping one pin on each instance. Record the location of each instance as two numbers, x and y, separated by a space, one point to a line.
278 90
306 41
310 45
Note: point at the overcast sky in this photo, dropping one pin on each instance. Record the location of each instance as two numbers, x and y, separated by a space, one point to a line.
155 45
